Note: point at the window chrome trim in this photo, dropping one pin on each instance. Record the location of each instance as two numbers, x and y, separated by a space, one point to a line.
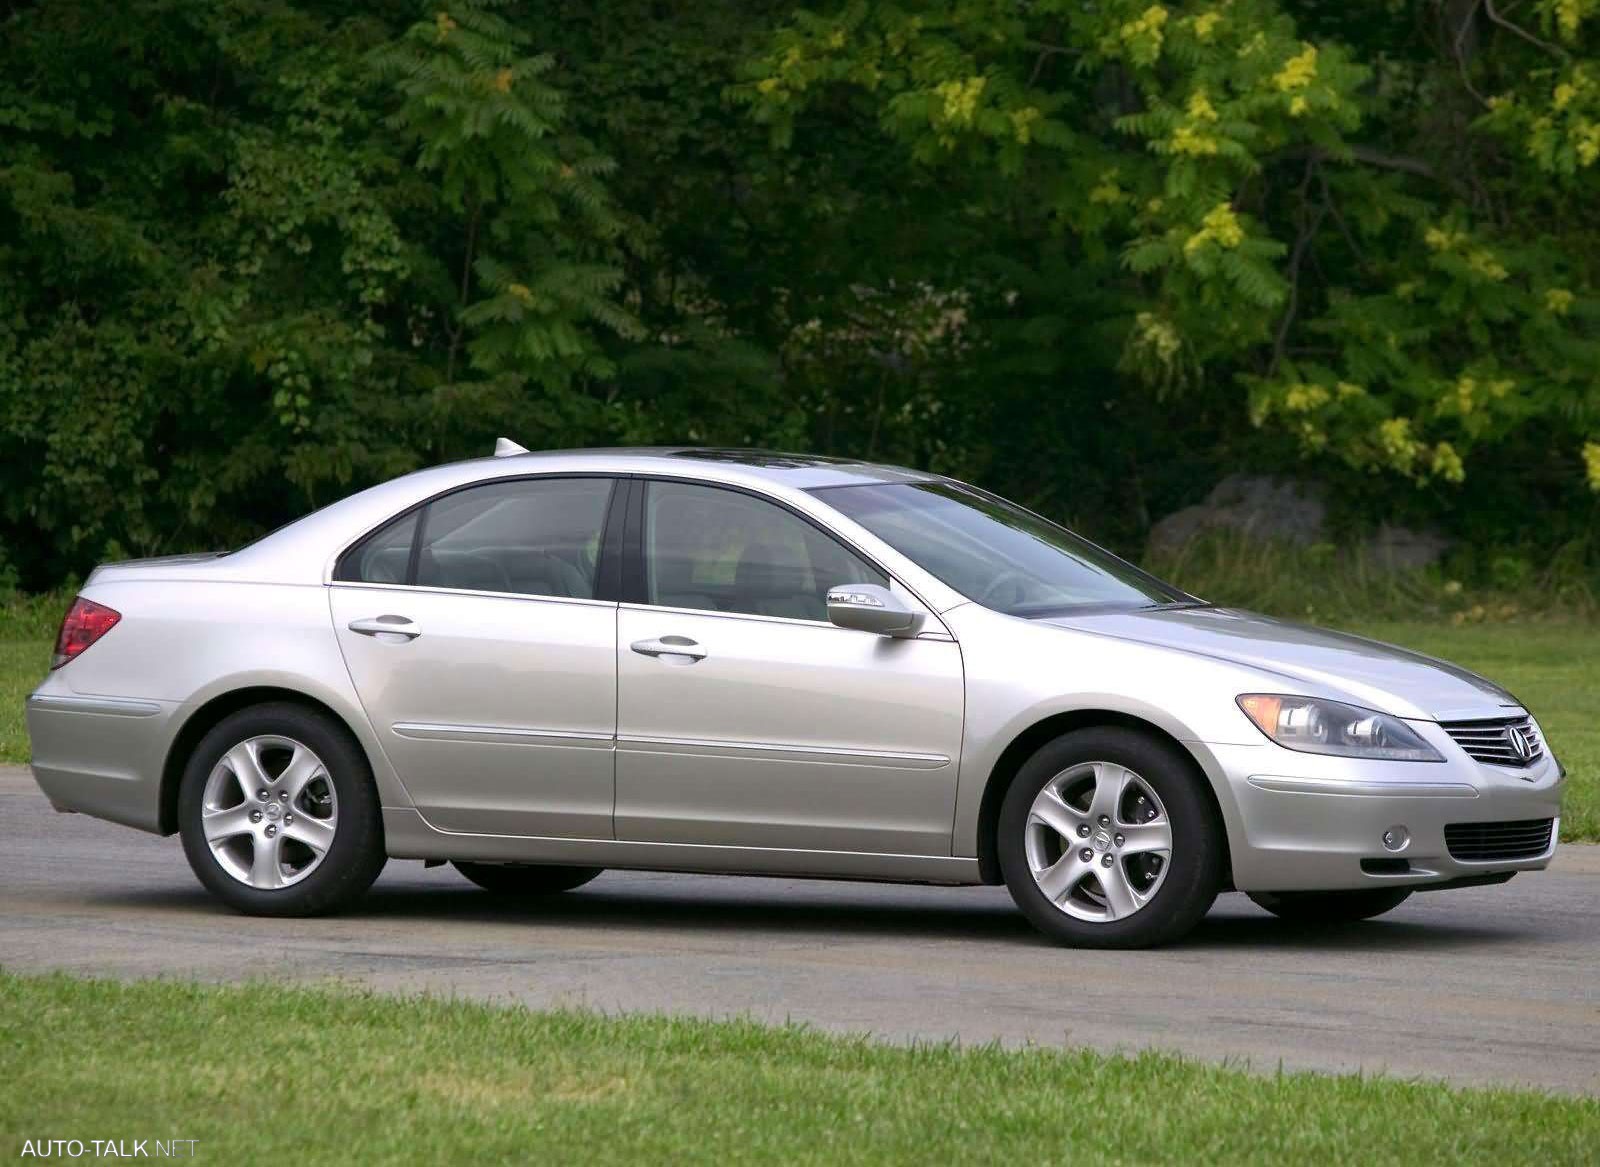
937 634
436 590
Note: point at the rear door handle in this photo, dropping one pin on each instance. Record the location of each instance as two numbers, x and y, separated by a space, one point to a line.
386 626
679 646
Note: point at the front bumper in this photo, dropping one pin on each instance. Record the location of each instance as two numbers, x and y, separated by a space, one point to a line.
1311 823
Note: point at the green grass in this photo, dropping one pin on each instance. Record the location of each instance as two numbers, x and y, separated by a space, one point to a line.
1323 583
27 632
268 1074
22 664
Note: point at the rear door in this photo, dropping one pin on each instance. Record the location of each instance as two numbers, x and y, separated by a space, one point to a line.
481 637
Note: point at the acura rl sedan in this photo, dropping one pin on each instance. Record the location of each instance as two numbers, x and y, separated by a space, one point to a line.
538 666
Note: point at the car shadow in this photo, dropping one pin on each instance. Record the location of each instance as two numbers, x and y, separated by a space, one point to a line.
792 908
663 909
1394 935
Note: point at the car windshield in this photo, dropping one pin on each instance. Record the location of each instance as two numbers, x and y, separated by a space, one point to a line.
998 554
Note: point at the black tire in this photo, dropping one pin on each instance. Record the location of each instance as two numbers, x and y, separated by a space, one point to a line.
1331 907
1193 874
526 879
356 854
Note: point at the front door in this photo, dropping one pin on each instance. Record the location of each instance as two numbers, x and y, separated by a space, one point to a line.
483 659
746 719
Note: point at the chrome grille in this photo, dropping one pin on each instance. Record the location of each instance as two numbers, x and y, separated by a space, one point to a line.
1493 741
1486 842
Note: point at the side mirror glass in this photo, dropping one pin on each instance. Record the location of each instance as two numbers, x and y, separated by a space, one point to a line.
871 608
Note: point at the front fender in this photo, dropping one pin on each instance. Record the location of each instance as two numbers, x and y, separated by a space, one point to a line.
1021 673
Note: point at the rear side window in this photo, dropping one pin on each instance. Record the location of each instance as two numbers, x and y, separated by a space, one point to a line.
383 556
534 537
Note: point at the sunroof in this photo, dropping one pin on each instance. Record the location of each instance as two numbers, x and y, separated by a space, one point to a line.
771 459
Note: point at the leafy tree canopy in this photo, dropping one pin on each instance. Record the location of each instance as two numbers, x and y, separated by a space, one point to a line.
255 254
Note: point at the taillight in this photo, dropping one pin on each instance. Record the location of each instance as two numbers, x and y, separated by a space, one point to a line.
86 622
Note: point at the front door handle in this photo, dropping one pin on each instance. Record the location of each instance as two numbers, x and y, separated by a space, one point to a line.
386 626
679 646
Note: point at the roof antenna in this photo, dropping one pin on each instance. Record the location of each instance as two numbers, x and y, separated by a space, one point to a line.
505 447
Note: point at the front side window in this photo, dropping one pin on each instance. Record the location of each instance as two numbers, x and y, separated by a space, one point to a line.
725 551
534 537
995 553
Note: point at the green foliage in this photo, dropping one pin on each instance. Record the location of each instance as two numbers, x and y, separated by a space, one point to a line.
1322 583
538 222
1377 244
275 252
255 254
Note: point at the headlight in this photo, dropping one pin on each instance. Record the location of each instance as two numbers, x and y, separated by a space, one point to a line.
1316 726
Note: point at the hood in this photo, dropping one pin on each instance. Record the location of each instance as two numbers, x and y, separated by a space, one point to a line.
1311 661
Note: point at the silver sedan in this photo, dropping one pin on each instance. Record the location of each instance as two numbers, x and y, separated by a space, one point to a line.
537 666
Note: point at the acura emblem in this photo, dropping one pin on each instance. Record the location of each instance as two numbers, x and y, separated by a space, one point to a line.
1520 745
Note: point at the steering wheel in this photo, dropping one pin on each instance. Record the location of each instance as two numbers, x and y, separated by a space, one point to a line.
1013 577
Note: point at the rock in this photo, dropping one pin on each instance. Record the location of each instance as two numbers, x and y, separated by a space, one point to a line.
1253 505
1402 549
1281 510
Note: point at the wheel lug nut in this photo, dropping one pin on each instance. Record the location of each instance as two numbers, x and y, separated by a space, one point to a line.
255 816
1086 854
1120 840
271 830
1083 830
283 796
287 819
1106 861
1105 820
262 795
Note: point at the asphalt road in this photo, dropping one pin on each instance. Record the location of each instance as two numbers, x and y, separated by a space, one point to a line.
1494 984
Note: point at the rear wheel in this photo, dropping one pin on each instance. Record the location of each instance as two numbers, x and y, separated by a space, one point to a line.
1107 840
1331 907
526 879
278 813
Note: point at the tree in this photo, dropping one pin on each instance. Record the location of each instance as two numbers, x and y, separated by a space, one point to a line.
1378 247
255 254
275 252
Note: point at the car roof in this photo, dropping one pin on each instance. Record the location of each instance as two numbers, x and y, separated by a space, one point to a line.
729 464
299 551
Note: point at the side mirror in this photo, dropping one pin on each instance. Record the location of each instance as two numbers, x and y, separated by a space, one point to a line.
870 608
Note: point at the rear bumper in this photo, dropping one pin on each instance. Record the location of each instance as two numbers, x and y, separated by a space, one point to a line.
101 756
1308 824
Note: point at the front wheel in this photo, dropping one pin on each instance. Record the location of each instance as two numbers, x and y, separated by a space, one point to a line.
1331 907
1108 840
526 879
278 813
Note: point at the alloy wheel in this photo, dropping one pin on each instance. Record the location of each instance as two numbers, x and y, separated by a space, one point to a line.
1098 841
269 812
